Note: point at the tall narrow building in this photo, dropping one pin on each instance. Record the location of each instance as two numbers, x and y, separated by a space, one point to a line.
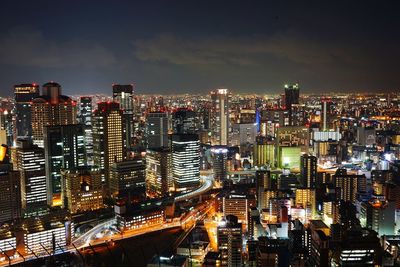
123 94
51 108
30 162
292 95
64 149
220 116
24 94
108 137
10 194
85 118
157 130
308 170
185 161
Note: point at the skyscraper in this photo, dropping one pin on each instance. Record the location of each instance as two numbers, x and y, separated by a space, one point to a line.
64 149
51 108
185 161
85 118
157 130
292 94
123 94
185 121
24 94
108 137
126 176
30 162
10 194
220 116
308 170
229 237
220 160
158 172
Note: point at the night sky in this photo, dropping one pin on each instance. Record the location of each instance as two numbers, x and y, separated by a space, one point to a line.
193 46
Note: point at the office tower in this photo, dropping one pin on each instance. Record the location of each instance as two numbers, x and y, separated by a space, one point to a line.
123 94
64 149
158 172
6 127
238 204
243 134
229 237
264 152
305 198
24 94
126 176
292 94
185 150
220 160
81 189
349 184
185 121
157 130
10 192
272 119
220 116
326 114
378 215
108 137
51 108
30 162
85 118
291 141
308 170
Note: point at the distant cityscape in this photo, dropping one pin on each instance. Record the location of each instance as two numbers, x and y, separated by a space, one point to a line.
208 180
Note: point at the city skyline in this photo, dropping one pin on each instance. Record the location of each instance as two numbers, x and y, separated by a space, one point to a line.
179 47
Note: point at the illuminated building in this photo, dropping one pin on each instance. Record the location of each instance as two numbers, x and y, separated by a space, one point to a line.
158 172
51 108
326 114
157 130
220 158
243 134
366 136
220 116
291 140
229 236
349 184
108 138
81 190
6 127
238 205
123 94
289 157
272 119
318 243
305 198
30 162
308 170
247 116
185 121
185 150
64 149
378 215
127 175
24 94
85 118
264 152
292 94
10 192
146 214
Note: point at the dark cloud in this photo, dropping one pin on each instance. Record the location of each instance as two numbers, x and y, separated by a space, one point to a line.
28 47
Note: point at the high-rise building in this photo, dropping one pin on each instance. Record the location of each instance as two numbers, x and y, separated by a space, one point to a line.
81 189
64 149
51 108
85 118
159 179
349 184
220 116
108 137
220 161
229 237
308 170
185 121
30 162
123 94
6 127
185 150
292 95
157 130
264 152
127 175
305 198
24 94
243 134
10 194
